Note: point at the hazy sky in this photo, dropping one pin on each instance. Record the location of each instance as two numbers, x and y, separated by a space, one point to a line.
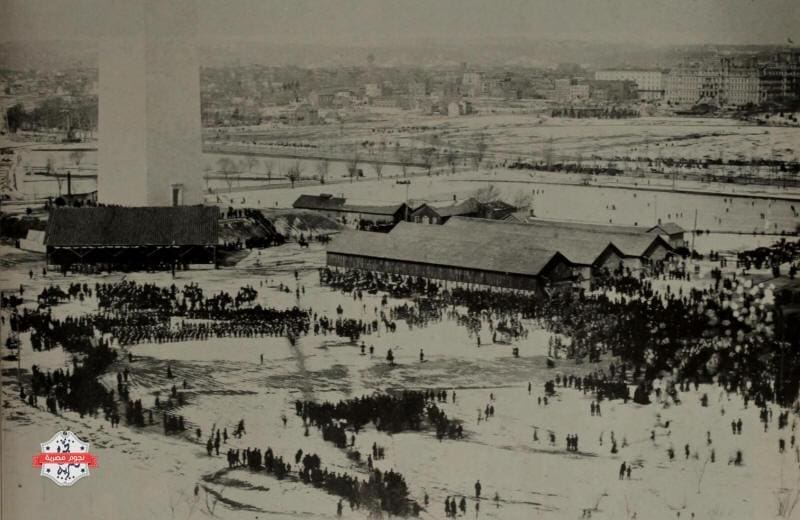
371 22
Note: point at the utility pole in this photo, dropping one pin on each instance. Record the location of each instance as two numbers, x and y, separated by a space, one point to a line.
695 228
408 184
655 210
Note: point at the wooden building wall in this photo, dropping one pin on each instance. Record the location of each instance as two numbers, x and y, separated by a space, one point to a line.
609 259
426 215
657 252
131 256
434 272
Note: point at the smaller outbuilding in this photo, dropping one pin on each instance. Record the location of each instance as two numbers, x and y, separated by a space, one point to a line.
672 232
439 214
357 216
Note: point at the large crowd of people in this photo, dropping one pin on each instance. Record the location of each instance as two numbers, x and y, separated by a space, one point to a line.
133 313
716 333
383 490
387 412
728 332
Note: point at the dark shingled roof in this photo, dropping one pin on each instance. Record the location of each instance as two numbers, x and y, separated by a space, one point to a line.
435 245
578 244
465 207
498 205
588 226
667 228
139 226
581 249
319 202
328 202
372 210
670 228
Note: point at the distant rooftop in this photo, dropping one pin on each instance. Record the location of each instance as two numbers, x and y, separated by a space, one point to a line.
578 245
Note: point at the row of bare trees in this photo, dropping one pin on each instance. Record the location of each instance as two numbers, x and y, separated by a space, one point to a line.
430 156
230 169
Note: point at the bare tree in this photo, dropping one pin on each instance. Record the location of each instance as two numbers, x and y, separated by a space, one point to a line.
522 200
227 167
547 154
245 163
268 169
294 172
428 158
77 156
250 162
481 147
323 167
378 168
487 194
352 166
452 158
405 161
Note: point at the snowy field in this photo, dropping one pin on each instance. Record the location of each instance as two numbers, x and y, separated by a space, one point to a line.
143 473
507 137
527 135
605 204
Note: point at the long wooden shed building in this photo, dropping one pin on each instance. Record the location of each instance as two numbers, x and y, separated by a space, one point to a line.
587 248
436 253
133 237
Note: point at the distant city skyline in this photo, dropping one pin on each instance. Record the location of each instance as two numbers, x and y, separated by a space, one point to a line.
381 23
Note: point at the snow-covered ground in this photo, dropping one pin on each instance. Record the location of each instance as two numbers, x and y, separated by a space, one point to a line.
614 202
508 137
143 473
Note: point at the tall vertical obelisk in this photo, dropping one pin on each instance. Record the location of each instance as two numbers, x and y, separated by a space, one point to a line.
149 106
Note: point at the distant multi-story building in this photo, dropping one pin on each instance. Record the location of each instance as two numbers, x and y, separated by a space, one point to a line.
459 107
735 81
689 83
417 88
567 91
562 89
321 99
740 83
471 79
579 92
492 87
614 91
472 83
649 83
779 77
